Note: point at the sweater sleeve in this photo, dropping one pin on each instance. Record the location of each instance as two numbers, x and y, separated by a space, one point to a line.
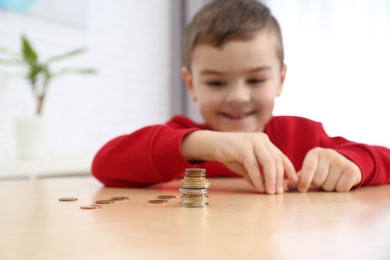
148 156
296 136
373 161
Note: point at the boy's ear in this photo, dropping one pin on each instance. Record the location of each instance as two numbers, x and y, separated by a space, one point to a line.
189 83
282 78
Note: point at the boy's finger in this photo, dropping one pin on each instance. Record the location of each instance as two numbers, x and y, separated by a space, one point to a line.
267 162
252 167
289 169
346 182
309 167
279 164
249 180
332 178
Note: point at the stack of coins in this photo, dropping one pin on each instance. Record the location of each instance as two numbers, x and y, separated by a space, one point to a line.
194 190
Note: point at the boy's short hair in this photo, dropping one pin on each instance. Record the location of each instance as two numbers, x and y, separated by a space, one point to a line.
224 20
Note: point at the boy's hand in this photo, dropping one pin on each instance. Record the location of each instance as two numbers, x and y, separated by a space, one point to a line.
328 170
251 155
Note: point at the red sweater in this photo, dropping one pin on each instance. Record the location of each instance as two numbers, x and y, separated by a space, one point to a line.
153 154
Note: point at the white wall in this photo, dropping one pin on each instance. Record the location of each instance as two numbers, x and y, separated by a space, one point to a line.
336 51
129 42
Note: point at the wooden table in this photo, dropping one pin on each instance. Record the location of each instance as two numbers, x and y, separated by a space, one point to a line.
239 224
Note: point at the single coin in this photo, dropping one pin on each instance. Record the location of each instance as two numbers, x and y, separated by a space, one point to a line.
205 205
195 172
191 200
195 178
195 181
191 186
119 198
193 191
92 206
68 199
105 201
158 201
194 196
166 197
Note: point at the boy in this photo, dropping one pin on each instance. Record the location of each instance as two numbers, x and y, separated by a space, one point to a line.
234 71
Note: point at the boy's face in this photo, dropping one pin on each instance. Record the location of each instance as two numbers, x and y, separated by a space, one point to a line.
235 86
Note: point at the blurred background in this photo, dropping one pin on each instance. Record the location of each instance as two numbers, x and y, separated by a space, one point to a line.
337 53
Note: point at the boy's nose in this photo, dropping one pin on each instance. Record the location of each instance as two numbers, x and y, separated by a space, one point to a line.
238 93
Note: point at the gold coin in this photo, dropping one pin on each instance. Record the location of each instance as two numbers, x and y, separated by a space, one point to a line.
190 186
195 174
166 197
158 201
92 206
195 181
119 198
195 178
194 196
68 199
105 201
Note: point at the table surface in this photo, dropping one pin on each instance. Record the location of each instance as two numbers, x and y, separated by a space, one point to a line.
238 224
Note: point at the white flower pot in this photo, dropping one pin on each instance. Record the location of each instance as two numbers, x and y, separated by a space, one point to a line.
31 137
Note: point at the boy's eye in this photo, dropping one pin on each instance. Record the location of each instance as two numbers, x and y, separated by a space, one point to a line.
255 81
216 83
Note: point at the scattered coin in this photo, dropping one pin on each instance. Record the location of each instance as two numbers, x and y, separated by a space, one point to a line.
158 201
167 197
105 201
92 206
119 198
68 199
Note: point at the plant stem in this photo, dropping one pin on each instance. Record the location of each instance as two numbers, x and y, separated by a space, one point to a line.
41 99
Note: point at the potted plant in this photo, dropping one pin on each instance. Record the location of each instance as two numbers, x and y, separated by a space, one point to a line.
30 131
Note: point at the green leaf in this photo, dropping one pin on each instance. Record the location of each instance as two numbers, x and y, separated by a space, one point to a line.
33 74
66 55
29 55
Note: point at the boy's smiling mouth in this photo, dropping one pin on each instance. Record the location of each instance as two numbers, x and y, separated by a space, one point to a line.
237 115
